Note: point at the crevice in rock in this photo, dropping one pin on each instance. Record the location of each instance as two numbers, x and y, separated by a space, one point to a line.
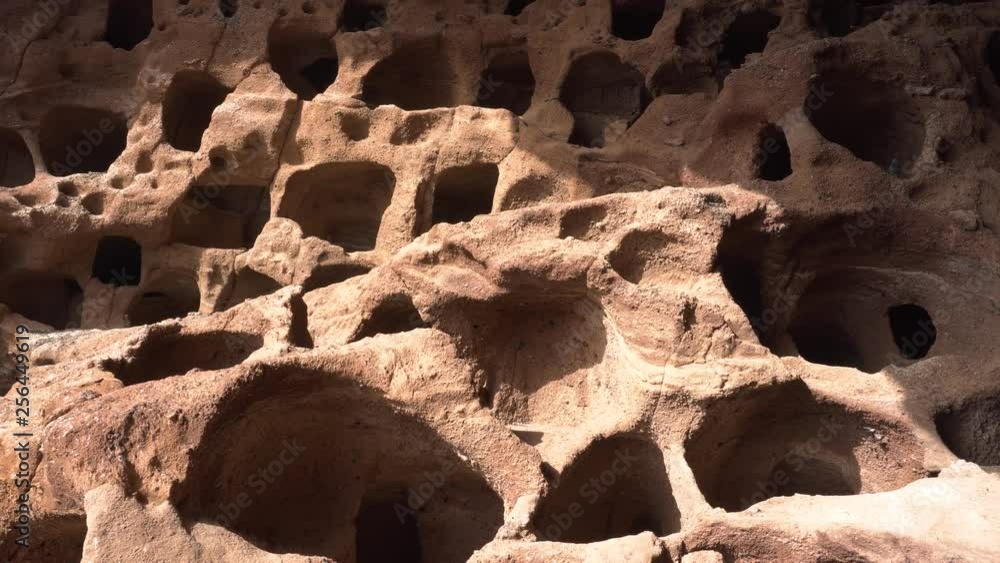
129 23
605 97
169 353
75 140
299 332
616 487
340 202
221 216
992 56
507 82
306 61
187 110
971 430
633 20
22 51
118 261
17 168
739 260
417 75
785 441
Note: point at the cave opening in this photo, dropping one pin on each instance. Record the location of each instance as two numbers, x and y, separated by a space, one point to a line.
118 261
774 158
384 533
129 23
507 82
76 140
913 330
187 110
748 34
463 192
17 168
605 97
633 20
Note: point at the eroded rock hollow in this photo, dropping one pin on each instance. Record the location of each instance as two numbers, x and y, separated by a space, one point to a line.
387 281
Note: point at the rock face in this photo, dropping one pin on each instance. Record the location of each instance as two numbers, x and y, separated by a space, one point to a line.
500 280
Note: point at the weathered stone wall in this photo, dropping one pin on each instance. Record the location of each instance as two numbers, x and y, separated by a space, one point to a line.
500 280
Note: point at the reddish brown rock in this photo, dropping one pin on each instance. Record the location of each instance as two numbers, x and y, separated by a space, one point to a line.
506 280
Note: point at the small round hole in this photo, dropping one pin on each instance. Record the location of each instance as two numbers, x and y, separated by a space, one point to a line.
217 162
68 189
27 200
94 203
228 8
913 330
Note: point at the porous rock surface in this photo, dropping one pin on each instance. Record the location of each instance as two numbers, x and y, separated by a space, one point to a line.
502 280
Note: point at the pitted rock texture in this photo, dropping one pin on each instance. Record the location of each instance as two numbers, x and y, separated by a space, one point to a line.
438 281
